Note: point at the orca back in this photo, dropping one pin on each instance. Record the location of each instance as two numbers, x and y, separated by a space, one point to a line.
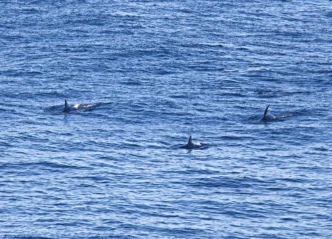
266 116
189 145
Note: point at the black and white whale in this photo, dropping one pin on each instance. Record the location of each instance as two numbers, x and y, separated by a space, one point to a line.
191 145
266 116
77 107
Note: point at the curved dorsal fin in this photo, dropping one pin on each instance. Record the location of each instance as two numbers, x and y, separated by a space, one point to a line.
265 112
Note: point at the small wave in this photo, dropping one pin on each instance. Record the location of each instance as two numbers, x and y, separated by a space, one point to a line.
26 237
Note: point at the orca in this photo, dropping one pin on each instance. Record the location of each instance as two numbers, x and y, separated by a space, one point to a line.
67 108
79 107
266 116
191 145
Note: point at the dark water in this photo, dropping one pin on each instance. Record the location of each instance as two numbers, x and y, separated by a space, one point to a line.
146 75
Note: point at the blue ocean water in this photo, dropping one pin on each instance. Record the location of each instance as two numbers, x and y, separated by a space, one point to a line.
141 76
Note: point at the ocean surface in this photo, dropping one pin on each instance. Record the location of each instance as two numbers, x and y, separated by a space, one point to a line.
140 77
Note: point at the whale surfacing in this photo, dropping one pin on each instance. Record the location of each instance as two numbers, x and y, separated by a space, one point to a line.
66 109
266 116
191 145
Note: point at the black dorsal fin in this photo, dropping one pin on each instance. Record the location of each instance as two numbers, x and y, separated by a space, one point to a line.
190 142
265 112
66 109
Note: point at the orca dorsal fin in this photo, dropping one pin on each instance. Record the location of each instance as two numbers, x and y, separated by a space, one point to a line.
265 112
66 109
190 141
